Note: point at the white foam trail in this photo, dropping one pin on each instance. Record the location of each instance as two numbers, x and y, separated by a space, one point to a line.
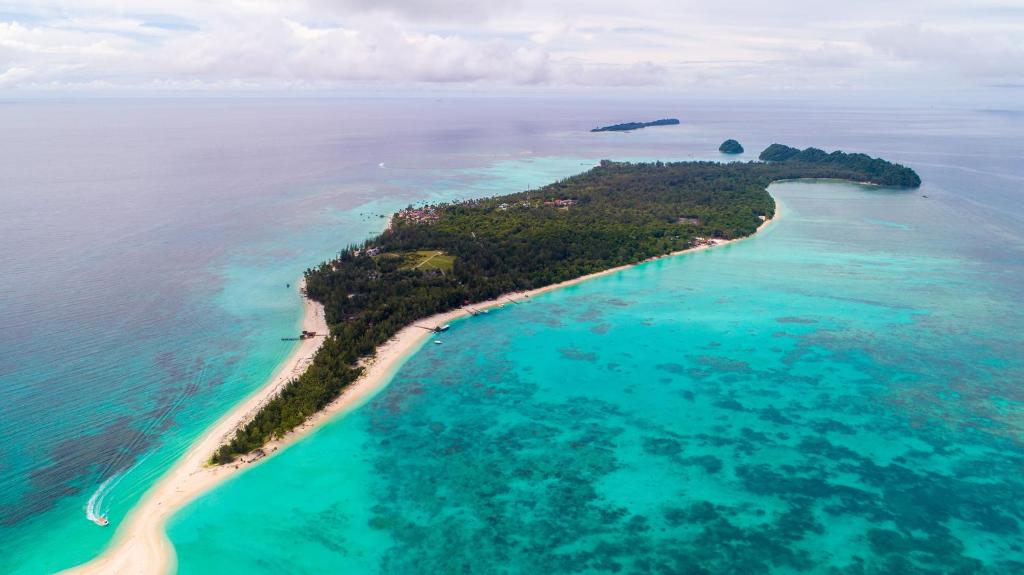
93 509
96 508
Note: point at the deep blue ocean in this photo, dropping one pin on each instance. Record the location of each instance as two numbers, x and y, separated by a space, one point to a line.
841 394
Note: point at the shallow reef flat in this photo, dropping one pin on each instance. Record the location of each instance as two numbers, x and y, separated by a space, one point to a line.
754 409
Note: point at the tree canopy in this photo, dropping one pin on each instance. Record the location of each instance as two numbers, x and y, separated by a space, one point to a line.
629 126
877 170
730 147
615 214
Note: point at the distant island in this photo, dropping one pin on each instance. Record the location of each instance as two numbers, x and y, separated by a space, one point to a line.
730 147
459 258
636 125
877 170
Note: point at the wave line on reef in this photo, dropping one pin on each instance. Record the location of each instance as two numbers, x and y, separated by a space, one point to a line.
125 452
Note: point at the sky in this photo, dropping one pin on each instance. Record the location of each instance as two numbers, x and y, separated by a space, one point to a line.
713 48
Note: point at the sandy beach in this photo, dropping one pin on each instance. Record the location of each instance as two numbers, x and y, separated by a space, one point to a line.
141 545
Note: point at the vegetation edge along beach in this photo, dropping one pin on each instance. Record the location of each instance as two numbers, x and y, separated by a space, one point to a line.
383 299
448 256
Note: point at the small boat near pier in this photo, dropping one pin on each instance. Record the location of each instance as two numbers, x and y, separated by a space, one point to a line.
304 335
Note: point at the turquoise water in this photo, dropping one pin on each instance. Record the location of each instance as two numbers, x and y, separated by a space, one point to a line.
837 395
146 248
146 257
190 382
249 302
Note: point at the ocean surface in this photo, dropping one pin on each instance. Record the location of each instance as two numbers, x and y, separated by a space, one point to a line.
840 394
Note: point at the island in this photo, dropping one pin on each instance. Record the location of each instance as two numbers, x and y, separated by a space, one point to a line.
464 256
376 303
730 147
874 170
629 126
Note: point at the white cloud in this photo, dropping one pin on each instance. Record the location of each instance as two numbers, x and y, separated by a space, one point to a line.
679 44
376 51
13 76
994 53
431 10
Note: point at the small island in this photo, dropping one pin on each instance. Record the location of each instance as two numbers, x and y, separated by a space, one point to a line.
876 170
449 257
630 126
730 147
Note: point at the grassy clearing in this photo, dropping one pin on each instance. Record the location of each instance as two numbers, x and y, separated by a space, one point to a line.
424 260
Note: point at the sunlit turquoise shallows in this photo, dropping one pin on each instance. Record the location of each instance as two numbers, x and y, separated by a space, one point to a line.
146 247
840 394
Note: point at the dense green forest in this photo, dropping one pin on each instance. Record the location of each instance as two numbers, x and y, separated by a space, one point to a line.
878 170
629 126
441 257
730 147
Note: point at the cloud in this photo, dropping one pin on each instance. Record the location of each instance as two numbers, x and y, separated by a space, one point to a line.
430 10
829 55
993 54
374 52
328 44
385 52
585 74
13 76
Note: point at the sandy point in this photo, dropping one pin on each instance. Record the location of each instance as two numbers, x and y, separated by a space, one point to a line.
141 545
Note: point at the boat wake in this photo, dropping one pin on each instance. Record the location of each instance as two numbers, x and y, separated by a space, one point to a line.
97 507
94 508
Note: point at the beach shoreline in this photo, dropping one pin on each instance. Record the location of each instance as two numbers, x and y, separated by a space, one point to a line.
141 545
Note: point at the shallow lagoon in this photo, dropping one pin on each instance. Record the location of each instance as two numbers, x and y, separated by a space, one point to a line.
146 253
837 394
